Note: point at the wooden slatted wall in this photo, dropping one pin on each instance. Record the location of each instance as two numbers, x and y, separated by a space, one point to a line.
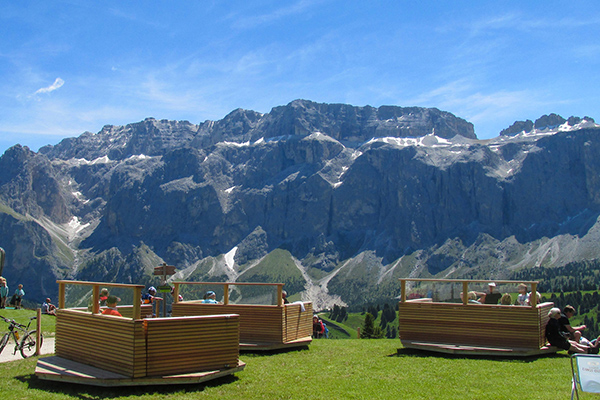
104 341
298 323
474 325
258 323
191 344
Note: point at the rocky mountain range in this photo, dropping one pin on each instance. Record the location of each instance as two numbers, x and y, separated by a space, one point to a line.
335 200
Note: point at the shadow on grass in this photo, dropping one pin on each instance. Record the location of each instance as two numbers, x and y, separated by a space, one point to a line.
87 392
433 354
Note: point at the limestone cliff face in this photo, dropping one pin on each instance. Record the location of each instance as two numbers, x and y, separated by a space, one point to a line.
361 195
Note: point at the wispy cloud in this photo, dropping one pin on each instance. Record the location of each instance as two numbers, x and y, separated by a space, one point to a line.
252 21
58 83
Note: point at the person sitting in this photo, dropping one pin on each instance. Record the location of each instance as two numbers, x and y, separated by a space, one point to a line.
574 332
471 297
523 297
538 298
318 327
557 338
111 304
506 300
492 297
18 297
210 298
148 298
284 297
48 308
103 296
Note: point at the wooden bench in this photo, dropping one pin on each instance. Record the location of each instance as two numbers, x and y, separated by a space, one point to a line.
262 327
473 328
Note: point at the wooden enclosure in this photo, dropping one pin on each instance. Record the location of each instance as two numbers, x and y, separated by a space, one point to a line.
108 350
473 328
262 327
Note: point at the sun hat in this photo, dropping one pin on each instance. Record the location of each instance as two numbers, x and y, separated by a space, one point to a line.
491 284
210 293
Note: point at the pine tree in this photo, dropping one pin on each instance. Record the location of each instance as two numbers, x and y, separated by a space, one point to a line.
368 327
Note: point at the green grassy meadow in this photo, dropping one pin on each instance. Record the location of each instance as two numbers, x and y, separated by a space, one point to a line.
328 369
335 369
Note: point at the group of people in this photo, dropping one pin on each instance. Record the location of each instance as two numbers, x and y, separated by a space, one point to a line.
494 297
15 300
319 328
561 334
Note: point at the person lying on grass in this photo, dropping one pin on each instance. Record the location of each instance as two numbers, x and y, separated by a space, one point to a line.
557 339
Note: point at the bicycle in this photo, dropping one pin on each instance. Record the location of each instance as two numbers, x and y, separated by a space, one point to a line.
23 337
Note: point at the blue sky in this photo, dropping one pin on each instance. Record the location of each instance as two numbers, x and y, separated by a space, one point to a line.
74 66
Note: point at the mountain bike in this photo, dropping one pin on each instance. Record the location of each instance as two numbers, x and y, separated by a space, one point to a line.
24 338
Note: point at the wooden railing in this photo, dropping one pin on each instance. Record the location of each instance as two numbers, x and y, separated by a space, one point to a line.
226 286
465 286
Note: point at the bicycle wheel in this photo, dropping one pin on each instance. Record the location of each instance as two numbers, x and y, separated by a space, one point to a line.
3 342
27 345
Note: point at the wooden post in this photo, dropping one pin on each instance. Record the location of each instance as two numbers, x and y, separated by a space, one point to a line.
358 333
38 332
402 290
533 300
61 295
137 301
95 299
465 292
175 292
226 294
279 295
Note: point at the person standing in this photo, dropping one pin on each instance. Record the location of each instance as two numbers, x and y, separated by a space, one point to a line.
3 292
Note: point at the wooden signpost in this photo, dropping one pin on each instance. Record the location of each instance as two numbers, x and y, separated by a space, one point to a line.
164 270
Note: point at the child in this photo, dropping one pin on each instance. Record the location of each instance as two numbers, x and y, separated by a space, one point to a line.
111 303
3 292
18 296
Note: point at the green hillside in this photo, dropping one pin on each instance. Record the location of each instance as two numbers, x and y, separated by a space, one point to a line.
278 266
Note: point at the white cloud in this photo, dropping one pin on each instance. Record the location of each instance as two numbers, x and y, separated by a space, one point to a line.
56 85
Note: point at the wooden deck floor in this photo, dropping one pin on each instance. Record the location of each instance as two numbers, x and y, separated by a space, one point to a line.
59 369
477 350
305 341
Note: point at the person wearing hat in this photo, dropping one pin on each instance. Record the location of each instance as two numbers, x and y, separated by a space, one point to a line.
48 308
210 298
111 303
492 297
557 339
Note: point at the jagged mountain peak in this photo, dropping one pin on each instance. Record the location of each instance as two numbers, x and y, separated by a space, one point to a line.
549 124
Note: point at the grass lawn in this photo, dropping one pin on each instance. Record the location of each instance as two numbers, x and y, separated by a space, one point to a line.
336 369
22 316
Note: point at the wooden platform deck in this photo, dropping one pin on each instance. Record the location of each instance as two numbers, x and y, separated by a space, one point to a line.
305 341
477 350
62 370
473 329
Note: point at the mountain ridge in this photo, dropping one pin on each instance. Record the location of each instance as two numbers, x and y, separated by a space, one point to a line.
357 196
